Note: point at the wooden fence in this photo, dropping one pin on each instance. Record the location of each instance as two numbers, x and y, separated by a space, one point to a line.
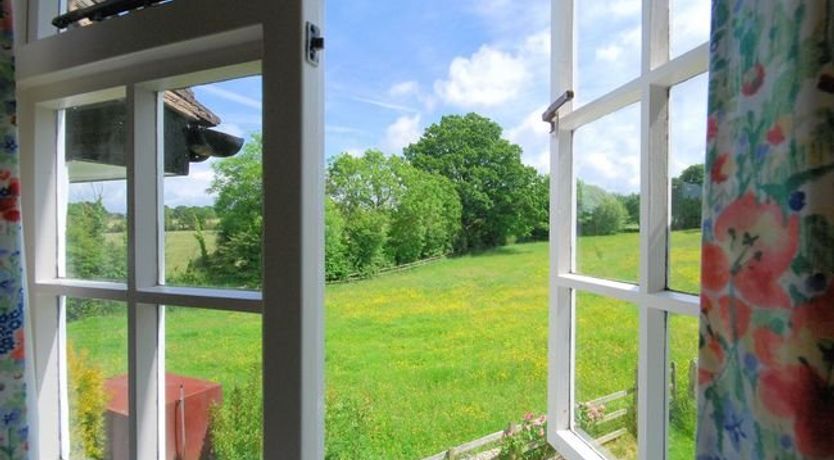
486 448
398 268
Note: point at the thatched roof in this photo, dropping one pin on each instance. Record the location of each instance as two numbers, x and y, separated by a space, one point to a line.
181 101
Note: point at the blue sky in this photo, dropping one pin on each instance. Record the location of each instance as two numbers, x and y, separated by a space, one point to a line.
394 68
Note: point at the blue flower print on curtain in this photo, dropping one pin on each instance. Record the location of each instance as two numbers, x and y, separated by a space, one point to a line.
13 420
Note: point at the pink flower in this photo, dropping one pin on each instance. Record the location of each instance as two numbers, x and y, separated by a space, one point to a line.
752 80
775 136
758 242
712 128
718 171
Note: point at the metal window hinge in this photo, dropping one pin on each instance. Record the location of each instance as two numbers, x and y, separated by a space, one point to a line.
315 44
551 115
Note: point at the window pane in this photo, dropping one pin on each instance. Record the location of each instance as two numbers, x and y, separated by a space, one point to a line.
94 191
213 384
213 194
683 344
608 46
687 150
97 382
606 374
607 158
689 25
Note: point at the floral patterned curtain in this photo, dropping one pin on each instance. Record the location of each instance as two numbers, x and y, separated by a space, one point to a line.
766 367
13 420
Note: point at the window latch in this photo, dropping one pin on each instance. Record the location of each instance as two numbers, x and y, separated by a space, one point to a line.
315 44
100 11
551 115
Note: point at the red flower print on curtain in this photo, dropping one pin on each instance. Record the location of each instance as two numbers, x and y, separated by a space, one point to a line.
766 365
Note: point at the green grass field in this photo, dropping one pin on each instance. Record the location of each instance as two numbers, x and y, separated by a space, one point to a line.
425 359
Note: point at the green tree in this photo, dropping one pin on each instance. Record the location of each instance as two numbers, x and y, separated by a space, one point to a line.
487 172
687 192
336 263
239 206
607 218
91 255
632 205
393 212
539 206
426 219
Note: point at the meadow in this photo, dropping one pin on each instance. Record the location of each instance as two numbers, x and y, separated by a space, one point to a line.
425 359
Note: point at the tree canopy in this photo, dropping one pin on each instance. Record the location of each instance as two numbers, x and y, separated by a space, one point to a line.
489 177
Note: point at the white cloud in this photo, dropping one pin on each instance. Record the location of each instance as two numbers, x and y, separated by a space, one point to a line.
405 88
355 151
488 78
338 129
231 128
532 134
607 151
404 131
384 104
233 96
610 10
690 22
611 52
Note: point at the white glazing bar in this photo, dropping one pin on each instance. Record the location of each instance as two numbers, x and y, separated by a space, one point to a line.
560 317
39 14
144 320
39 201
293 260
654 211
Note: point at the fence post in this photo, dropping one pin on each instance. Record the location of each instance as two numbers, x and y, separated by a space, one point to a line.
693 372
673 376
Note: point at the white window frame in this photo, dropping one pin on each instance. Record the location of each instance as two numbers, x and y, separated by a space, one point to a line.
651 90
178 44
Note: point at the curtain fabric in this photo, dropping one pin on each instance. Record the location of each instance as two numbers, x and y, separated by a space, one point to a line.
766 367
13 420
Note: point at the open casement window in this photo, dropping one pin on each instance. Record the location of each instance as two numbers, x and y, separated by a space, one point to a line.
624 336
113 125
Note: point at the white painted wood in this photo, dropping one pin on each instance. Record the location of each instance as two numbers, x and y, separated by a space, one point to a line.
40 14
157 30
595 109
682 68
573 447
214 299
293 166
82 289
560 317
624 291
194 41
38 177
654 301
63 378
144 320
197 61
46 423
652 367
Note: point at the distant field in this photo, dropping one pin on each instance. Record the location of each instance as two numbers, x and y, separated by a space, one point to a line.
180 247
425 359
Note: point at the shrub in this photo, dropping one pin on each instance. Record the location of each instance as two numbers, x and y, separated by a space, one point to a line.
367 233
348 427
607 218
527 441
336 263
87 400
236 424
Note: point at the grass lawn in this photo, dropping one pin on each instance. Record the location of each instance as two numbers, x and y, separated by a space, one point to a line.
425 359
